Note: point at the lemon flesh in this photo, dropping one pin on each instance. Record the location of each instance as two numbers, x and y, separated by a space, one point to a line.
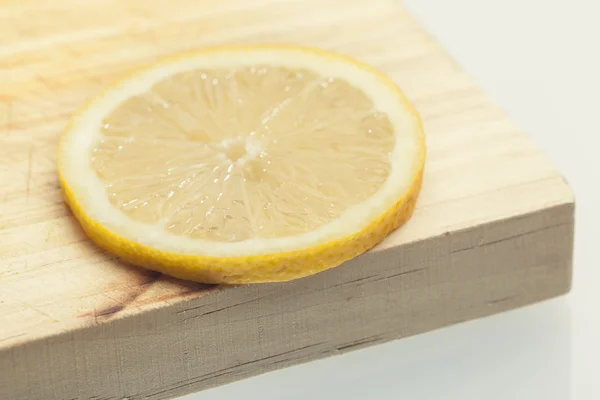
244 165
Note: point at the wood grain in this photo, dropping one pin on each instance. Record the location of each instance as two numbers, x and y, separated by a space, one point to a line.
493 228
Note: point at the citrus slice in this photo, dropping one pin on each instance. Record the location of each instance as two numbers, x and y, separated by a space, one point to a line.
240 165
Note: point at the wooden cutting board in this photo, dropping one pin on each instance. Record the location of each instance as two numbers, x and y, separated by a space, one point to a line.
493 229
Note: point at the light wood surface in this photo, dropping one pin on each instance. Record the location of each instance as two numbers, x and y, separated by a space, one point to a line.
493 228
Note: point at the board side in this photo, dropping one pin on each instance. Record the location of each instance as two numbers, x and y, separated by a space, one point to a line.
248 330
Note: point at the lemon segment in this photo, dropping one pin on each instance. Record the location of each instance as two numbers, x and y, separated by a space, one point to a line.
241 165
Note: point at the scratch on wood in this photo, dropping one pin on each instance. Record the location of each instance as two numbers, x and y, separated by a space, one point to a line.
370 279
42 313
351 282
201 306
279 354
410 271
501 300
146 283
216 310
102 398
361 342
547 228
208 288
112 310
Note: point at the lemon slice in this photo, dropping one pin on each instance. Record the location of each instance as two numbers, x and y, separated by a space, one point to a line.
239 165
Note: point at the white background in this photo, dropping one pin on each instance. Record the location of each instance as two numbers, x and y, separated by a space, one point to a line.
540 61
